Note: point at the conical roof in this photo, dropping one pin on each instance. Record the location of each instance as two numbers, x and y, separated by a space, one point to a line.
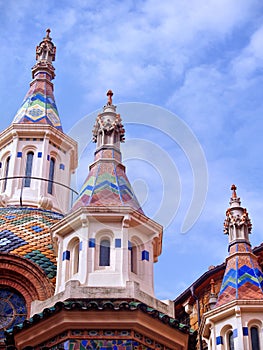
39 106
243 278
107 183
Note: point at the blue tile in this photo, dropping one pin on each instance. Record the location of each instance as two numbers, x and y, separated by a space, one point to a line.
62 166
66 255
117 243
145 255
0 165
219 340
37 228
48 157
39 155
129 245
245 331
92 243
9 241
80 246
234 333
19 154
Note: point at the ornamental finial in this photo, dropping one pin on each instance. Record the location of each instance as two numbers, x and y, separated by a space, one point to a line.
46 50
212 286
233 189
48 32
109 94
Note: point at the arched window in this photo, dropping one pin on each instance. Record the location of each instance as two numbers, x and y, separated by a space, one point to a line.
254 338
29 165
231 341
6 172
75 257
13 309
134 261
51 176
104 258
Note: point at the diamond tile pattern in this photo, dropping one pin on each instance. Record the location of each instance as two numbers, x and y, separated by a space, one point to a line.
107 184
39 104
25 232
243 278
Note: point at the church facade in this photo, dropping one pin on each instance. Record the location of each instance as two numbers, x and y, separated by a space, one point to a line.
81 276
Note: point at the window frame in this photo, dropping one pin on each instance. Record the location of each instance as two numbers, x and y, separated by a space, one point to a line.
29 168
6 171
51 175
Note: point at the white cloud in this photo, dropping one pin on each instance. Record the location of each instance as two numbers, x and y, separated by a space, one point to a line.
251 58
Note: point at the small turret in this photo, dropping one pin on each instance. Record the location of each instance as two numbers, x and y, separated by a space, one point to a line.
39 106
243 277
107 183
36 157
107 230
237 223
234 318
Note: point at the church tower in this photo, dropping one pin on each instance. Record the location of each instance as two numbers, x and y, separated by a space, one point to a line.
235 323
107 241
36 157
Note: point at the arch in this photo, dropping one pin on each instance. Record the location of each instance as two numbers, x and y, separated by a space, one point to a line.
135 248
103 249
29 167
73 266
227 336
254 338
255 334
26 277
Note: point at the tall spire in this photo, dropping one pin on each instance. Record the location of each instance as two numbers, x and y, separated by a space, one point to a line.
243 278
39 105
107 183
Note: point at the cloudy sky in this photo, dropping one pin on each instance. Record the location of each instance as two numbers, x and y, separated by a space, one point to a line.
193 71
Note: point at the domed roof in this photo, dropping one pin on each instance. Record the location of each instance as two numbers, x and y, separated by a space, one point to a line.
25 232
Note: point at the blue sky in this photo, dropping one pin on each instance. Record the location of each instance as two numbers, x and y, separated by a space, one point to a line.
200 60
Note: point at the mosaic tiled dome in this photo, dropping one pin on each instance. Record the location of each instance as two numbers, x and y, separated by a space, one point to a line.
25 232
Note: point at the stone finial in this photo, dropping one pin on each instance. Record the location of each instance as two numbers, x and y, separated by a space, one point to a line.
233 189
237 223
212 285
46 50
48 32
213 298
109 94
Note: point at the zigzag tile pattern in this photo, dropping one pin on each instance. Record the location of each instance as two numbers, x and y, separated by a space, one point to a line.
25 232
107 185
39 105
243 278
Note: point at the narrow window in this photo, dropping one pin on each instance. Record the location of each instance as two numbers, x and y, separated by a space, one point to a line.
134 259
105 252
75 258
29 163
231 341
6 171
51 176
254 338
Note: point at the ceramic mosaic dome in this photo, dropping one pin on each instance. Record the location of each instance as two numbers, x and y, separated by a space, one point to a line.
25 232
